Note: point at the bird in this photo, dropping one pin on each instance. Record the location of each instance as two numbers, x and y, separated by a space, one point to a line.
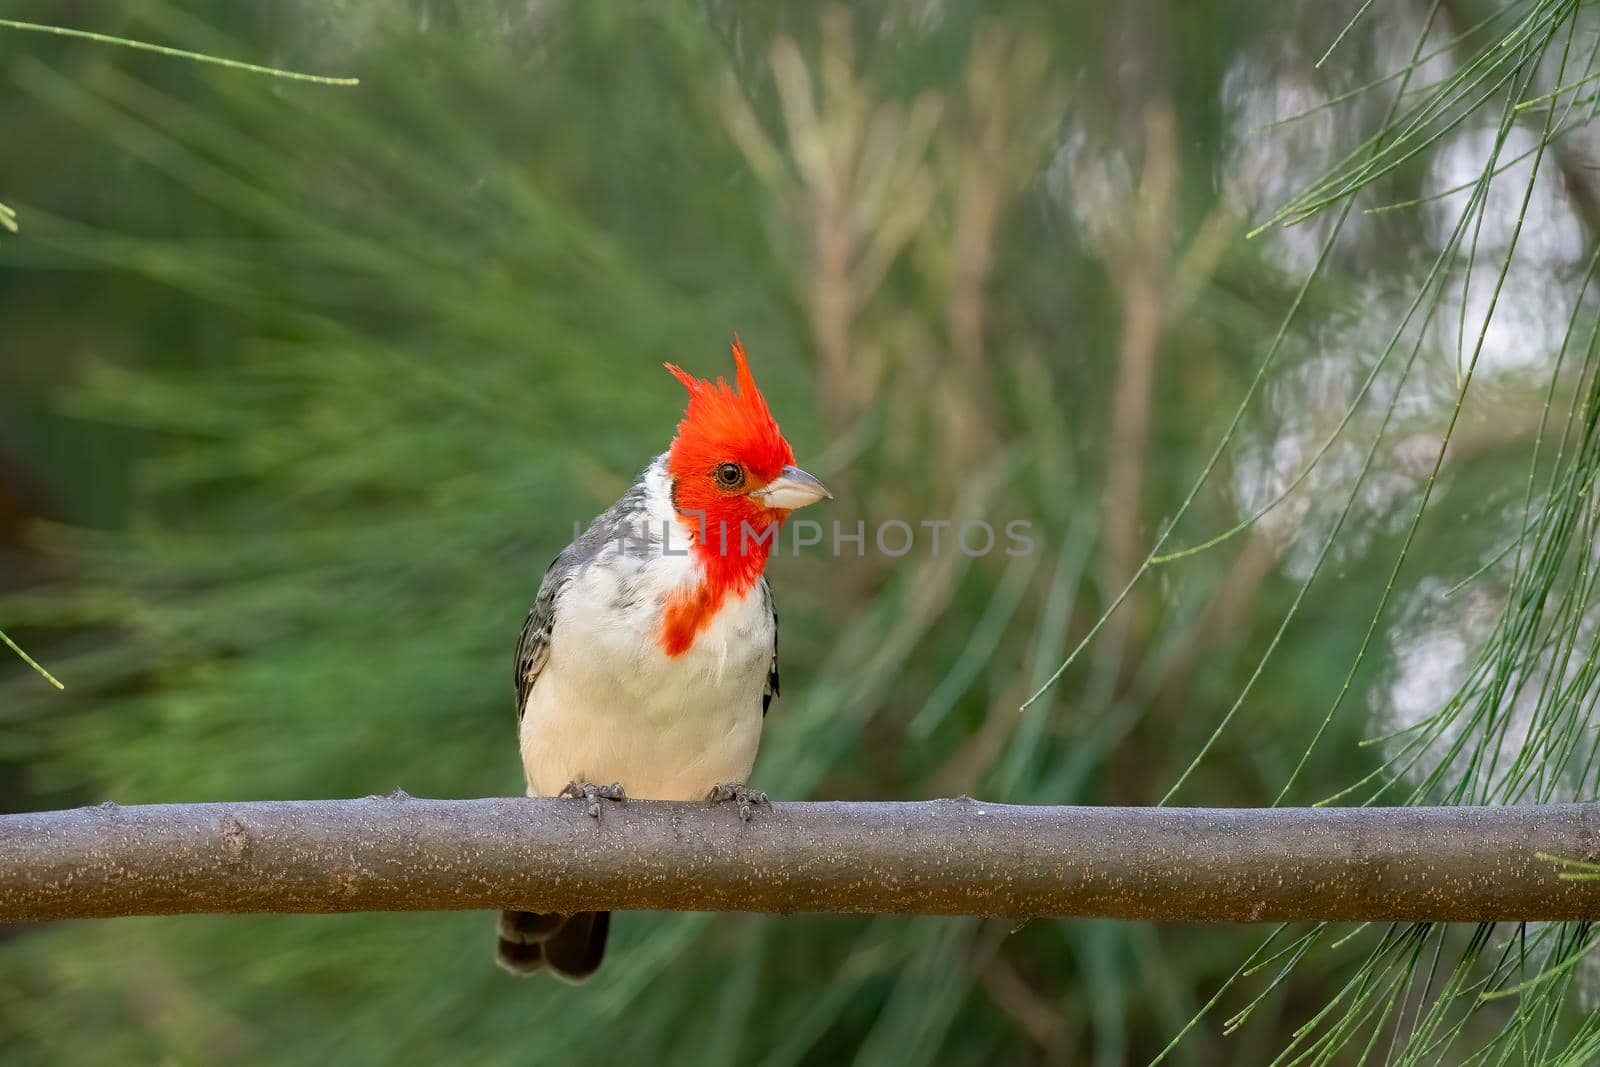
648 662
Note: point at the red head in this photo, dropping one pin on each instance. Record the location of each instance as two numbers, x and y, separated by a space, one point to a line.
733 480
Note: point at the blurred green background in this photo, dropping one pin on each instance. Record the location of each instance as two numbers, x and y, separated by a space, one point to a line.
301 388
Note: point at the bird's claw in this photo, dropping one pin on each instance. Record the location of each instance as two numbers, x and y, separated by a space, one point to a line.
748 799
594 794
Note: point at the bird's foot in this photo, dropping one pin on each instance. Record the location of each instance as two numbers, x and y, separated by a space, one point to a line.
748 799
594 794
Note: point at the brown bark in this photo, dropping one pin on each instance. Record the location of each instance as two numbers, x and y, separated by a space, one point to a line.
945 857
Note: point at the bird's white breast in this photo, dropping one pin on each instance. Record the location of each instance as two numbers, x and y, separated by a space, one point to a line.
611 706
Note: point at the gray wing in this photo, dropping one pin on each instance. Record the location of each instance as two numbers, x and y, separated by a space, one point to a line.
771 691
608 532
533 647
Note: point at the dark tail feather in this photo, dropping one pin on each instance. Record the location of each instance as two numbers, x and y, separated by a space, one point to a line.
572 946
575 950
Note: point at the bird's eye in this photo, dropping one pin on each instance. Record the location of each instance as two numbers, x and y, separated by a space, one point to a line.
729 475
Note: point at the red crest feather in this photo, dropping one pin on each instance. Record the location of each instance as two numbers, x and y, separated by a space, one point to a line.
723 424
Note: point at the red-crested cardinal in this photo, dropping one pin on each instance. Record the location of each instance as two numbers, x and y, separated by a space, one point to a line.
651 653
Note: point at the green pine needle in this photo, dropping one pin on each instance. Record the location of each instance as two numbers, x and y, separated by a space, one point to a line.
30 661
178 53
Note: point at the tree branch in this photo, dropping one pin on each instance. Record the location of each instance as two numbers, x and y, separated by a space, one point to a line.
945 857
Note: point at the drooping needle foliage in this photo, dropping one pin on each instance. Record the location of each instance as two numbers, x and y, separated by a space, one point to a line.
8 216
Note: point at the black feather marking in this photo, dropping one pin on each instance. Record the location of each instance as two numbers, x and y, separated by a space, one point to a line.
533 646
770 694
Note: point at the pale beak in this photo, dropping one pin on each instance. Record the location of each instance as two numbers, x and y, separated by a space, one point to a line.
793 488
